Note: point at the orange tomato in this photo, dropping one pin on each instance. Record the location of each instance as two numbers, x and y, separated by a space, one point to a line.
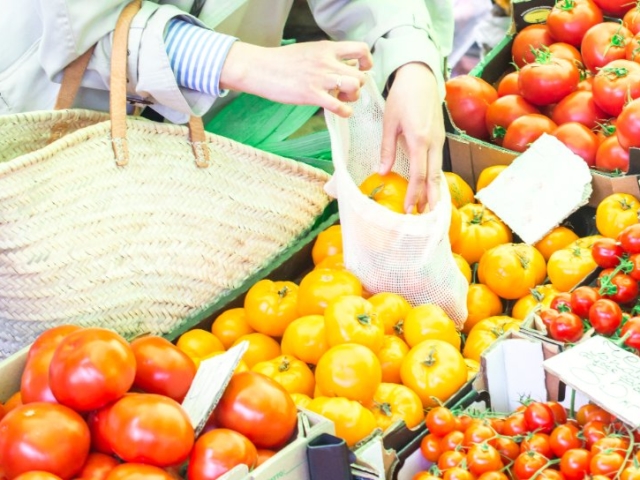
455 226
481 230
427 322
435 370
540 297
328 243
511 270
482 303
261 348
293 374
391 309
320 286
271 306
461 192
488 175
335 262
393 351
305 339
231 325
393 403
301 400
485 333
615 213
570 265
556 239
464 266
264 455
388 190
199 343
241 367
352 319
12 402
353 422
349 370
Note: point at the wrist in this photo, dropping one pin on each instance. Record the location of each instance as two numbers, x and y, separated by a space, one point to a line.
242 59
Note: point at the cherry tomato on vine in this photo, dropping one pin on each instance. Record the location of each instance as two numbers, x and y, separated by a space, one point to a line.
605 316
483 458
631 332
574 463
539 417
559 412
515 424
527 464
537 442
431 447
592 431
566 327
564 437
621 288
507 448
547 315
607 252
452 441
629 239
562 301
440 421
582 298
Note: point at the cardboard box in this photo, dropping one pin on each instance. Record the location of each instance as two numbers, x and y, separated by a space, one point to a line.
469 156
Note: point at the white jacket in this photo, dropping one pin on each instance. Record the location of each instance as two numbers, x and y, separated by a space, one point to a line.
40 37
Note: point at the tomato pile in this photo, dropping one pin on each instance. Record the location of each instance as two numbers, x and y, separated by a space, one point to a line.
577 78
92 406
536 441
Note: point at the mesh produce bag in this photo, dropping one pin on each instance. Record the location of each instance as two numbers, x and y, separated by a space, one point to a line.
405 254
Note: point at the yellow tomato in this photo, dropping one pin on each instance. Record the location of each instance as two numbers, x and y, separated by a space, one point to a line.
261 348
305 339
435 370
353 422
473 367
488 175
231 325
427 322
481 230
393 403
393 351
352 319
335 262
293 374
349 370
241 367
320 286
388 190
301 400
391 309
486 332
540 296
615 213
512 270
570 265
556 239
481 303
199 343
455 226
271 306
461 192
464 266
328 243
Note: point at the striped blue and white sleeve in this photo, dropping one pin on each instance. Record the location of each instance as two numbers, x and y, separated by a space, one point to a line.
196 55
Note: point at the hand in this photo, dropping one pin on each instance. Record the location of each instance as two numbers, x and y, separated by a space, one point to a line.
414 113
324 73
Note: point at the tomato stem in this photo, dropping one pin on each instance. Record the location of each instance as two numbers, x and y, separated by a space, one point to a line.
284 365
628 454
544 467
566 5
399 328
385 408
364 318
498 132
283 292
431 359
612 73
376 191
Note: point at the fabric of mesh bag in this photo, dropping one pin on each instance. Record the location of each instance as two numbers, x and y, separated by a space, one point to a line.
390 252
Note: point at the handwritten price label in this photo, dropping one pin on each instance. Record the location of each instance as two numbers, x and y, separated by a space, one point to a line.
605 373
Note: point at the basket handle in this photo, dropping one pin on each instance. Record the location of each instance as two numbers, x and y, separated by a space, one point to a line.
72 78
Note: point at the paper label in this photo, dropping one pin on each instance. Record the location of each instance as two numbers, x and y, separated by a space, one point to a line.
605 373
540 189
209 384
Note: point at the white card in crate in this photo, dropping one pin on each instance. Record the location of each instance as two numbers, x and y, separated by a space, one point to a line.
540 189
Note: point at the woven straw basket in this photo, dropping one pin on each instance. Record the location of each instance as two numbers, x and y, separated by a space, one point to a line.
115 224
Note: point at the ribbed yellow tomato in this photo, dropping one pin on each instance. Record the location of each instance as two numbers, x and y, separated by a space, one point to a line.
481 303
540 297
429 321
271 306
391 355
293 374
486 332
481 230
464 266
393 403
231 325
391 309
328 243
461 192
556 239
488 175
570 265
615 213
261 348
353 422
352 319
322 285
305 339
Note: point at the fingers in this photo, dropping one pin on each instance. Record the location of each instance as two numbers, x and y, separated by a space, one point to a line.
334 105
434 173
388 147
346 88
417 193
355 51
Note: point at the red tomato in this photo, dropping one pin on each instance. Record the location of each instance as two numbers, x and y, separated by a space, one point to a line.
615 84
611 156
259 408
631 19
586 84
97 466
90 368
561 302
537 442
50 339
547 315
628 125
503 112
622 289
43 437
431 446
508 85
566 327
547 80
162 368
564 437
635 266
218 451
483 458
632 50
607 252
539 417
264 455
579 139
529 38
578 107
525 130
566 51
604 43
37 476
452 441
582 298
629 239
606 129
569 20
34 384
527 464
151 429
605 316
138 471
467 101
508 448
440 421
515 424
574 463
614 8
97 421
631 331
606 463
